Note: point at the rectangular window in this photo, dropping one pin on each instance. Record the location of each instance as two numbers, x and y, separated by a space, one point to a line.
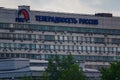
75 48
61 37
115 41
99 40
92 39
79 48
119 49
83 39
70 38
93 49
33 37
61 47
97 48
66 47
106 49
52 47
32 46
79 38
56 47
110 49
70 46
65 38
49 37
88 48
74 38
114 49
84 48
102 49
37 46
56 37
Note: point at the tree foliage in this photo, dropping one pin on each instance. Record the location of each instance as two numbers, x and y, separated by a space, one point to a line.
73 73
53 68
26 78
111 73
63 69
44 76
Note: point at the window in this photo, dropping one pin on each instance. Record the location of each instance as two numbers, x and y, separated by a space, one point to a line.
102 49
110 49
65 38
114 49
75 48
70 38
32 46
42 57
99 40
119 49
33 37
61 47
37 46
84 48
60 37
93 49
47 47
106 49
56 47
56 37
18 46
82 39
88 48
97 49
17 55
79 48
115 41
70 47
92 39
51 47
49 37
23 55
74 38
60 29
66 47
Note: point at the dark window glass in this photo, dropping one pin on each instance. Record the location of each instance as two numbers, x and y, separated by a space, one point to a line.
99 40
49 37
115 41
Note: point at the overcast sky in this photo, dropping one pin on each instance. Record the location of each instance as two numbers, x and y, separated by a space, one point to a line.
71 6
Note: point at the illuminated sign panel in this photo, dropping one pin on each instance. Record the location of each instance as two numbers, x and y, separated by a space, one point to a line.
65 20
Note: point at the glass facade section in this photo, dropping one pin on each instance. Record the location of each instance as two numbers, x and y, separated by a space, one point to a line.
61 40
49 38
99 40
60 29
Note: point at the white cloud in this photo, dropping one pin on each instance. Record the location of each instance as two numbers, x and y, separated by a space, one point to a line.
96 2
13 3
72 6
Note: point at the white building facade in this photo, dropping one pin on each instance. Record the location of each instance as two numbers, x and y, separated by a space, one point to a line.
92 39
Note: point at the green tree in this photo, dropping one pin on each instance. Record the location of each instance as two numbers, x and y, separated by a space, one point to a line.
44 76
73 73
27 78
53 68
66 62
111 73
58 67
